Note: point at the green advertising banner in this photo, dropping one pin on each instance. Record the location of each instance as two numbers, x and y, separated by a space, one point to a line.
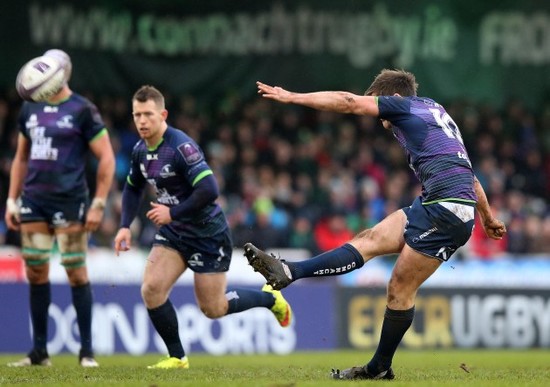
485 50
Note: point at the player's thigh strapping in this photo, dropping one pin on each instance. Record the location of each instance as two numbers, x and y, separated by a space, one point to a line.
36 247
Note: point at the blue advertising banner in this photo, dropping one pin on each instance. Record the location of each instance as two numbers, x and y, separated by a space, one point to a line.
121 323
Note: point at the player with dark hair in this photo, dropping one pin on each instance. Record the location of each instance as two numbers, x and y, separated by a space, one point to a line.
424 234
48 171
193 232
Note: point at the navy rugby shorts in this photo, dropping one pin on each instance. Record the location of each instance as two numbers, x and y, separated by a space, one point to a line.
439 229
57 213
208 254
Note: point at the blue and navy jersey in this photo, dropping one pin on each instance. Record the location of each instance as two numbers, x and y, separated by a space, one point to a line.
59 135
173 168
434 147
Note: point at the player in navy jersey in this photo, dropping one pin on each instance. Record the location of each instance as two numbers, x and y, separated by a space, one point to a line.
48 174
424 234
193 232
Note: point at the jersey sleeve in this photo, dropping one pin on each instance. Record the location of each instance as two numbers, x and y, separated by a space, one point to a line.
191 162
135 177
92 124
21 124
393 108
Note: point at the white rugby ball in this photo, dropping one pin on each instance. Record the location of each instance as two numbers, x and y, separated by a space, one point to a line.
40 78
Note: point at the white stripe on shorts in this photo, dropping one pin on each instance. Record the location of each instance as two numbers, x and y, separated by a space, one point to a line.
464 212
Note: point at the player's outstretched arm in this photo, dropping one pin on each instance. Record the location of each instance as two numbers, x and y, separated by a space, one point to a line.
334 101
493 227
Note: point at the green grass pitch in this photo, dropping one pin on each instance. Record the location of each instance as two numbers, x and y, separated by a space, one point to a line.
500 368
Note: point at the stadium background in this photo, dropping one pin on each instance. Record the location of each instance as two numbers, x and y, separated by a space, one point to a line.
296 181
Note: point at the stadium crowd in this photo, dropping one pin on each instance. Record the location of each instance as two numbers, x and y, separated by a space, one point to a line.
293 177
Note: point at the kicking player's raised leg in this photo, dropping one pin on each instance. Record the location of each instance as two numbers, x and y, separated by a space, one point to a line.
384 238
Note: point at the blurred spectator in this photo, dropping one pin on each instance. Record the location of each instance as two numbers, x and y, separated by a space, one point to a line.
301 235
480 246
262 228
332 231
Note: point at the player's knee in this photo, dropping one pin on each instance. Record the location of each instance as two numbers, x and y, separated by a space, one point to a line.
78 276
37 274
153 293
147 290
214 310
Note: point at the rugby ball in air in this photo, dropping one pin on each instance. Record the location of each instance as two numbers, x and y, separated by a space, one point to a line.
64 59
40 78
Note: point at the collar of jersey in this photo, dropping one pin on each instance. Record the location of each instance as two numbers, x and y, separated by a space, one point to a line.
58 102
154 147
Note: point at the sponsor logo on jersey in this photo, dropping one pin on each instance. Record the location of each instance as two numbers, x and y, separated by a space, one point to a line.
41 147
32 122
152 156
65 122
191 154
143 170
160 238
167 171
51 109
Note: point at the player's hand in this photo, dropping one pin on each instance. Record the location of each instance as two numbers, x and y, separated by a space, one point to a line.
95 214
93 219
274 92
494 228
159 214
123 240
12 215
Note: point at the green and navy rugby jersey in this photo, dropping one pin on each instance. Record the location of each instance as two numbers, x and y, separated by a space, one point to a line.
173 168
434 148
59 135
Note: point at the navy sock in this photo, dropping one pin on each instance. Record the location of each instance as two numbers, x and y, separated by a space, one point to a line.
40 298
396 323
165 321
340 260
244 299
82 301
